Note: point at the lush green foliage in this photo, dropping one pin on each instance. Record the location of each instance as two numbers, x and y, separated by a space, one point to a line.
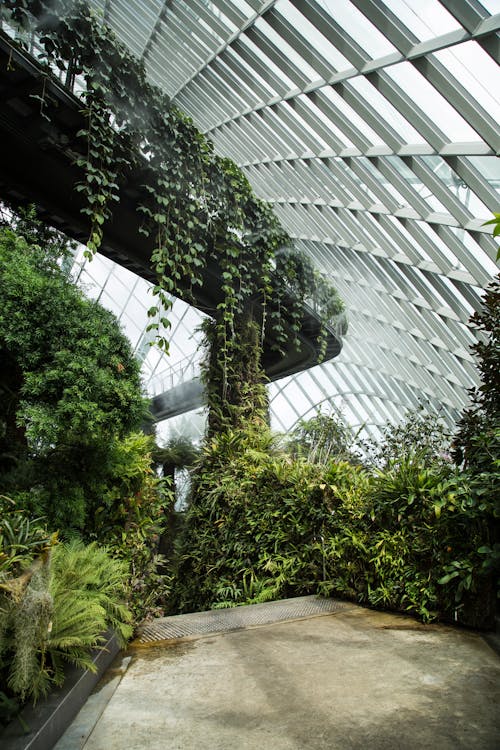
411 532
57 612
414 534
235 388
477 444
246 525
420 432
21 538
409 537
197 207
179 452
322 438
133 513
69 384
478 439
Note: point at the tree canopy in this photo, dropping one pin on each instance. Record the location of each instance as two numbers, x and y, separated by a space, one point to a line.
69 384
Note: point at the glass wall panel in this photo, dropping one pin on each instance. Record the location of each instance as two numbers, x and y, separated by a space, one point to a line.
426 19
430 101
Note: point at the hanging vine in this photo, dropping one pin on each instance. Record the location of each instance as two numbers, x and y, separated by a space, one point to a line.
196 206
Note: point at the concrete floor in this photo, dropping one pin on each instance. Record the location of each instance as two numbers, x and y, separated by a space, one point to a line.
352 680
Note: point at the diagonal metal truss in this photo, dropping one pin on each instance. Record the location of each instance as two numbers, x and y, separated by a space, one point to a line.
372 127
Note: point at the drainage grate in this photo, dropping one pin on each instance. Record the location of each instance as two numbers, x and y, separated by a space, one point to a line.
223 620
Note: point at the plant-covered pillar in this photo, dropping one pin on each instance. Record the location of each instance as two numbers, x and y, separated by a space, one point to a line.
233 376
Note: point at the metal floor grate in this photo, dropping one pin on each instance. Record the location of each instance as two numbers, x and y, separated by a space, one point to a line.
223 620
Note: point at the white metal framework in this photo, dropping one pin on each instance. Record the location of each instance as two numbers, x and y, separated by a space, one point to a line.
372 126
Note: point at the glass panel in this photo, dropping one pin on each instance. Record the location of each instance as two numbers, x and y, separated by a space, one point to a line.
354 119
426 19
409 238
417 184
314 141
492 6
136 310
440 245
456 186
338 134
477 252
118 291
489 168
384 182
222 17
190 425
313 36
287 50
287 82
383 107
355 178
291 404
476 71
354 23
435 106
244 7
132 331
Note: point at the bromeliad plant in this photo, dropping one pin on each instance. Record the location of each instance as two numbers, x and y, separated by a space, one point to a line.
21 539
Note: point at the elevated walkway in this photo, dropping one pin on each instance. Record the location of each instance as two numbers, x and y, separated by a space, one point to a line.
37 165
180 399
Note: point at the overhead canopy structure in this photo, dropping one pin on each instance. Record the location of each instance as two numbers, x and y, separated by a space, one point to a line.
372 126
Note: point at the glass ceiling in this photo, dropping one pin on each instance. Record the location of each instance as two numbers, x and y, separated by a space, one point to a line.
372 127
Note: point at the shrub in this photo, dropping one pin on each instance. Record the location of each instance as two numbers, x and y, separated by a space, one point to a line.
252 526
323 438
409 538
21 538
420 432
132 514
262 526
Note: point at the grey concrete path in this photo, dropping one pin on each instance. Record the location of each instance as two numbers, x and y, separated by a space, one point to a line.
351 680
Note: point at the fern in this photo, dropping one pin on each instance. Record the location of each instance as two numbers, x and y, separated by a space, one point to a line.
97 580
71 600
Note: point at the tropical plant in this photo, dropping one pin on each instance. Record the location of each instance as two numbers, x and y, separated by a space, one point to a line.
69 384
133 513
178 453
478 440
60 615
477 443
235 386
257 511
323 438
21 539
420 432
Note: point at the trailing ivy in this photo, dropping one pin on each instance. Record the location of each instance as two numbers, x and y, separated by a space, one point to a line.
198 207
